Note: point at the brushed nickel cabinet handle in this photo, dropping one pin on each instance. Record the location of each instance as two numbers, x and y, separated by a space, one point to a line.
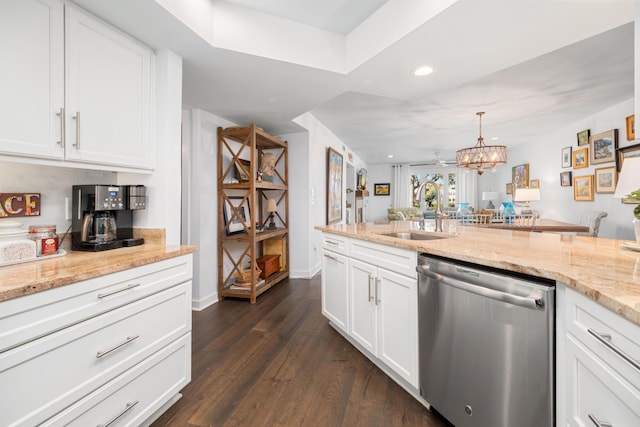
61 114
606 340
331 257
377 290
369 287
599 423
117 346
130 406
77 119
117 291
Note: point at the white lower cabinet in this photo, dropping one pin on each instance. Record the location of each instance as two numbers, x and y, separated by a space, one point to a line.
132 344
370 293
602 368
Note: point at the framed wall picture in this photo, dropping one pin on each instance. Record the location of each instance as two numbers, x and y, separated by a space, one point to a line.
583 137
381 189
565 179
606 180
243 169
583 188
625 153
534 183
581 158
509 188
237 217
631 127
603 147
566 157
334 186
520 176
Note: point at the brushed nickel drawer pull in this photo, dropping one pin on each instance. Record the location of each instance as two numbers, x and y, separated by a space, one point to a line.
331 242
117 346
331 257
606 340
599 423
126 288
369 287
130 406
61 114
377 290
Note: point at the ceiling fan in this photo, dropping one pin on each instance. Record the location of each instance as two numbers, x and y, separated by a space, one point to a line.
437 161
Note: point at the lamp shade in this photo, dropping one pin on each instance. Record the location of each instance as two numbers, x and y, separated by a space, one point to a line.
526 194
629 178
271 205
490 195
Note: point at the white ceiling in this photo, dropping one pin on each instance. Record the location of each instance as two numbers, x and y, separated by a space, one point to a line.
531 65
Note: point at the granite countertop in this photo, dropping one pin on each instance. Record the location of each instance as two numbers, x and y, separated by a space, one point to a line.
601 269
47 273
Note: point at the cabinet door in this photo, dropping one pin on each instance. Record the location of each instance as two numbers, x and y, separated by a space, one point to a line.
335 296
108 94
363 319
398 312
31 77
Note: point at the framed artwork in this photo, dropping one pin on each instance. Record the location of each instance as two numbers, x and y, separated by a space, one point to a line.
583 137
581 158
509 189
566 157
565 179
583 188
631 127
520 176
534 183
236 214
381 189
625 153
606 180
603 147
242 173
334 186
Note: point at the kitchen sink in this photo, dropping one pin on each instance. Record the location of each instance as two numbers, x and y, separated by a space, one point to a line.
413 235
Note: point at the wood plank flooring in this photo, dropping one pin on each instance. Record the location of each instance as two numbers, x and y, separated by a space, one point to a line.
279 363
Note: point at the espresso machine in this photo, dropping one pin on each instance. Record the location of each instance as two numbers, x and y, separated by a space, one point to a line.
102 216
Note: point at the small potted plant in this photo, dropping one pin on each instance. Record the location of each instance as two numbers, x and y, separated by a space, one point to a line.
635 197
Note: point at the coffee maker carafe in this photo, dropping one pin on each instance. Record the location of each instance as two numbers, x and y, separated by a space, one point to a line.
103 216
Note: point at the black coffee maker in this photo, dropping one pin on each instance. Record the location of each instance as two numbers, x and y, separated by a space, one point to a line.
102 216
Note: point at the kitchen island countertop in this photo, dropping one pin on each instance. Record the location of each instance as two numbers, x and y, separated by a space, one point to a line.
35 276
602 269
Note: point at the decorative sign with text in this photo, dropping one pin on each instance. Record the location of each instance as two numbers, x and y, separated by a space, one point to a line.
19 204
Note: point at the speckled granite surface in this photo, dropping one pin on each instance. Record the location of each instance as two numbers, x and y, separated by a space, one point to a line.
601 269
47 273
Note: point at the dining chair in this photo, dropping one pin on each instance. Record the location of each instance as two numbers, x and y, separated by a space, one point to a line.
591 219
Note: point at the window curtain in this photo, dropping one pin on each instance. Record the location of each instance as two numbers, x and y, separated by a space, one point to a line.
401 186
467 190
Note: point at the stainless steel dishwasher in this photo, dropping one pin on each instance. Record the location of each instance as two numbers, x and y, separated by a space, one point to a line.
486 342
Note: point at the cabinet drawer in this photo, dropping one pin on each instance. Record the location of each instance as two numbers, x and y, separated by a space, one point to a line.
401 261
27 318
335 243
150 383
71 363
587 320
597 391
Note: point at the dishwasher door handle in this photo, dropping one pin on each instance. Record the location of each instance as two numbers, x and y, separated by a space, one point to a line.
532 303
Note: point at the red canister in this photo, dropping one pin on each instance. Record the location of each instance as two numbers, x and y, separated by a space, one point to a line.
46 239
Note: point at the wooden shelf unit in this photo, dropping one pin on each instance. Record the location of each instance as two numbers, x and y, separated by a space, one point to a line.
240 153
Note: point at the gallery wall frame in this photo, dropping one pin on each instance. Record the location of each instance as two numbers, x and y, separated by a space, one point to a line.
334 186
626 152
631 127
565 179
520 176
603 146
583 137
583 188
566 157
580 158
605 179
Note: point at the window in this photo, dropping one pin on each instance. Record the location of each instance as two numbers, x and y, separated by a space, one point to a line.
446 181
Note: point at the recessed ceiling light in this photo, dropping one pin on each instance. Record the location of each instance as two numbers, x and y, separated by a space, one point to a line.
495 138
390 156
423 71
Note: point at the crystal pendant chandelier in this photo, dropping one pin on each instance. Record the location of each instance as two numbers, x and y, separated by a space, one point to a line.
481 156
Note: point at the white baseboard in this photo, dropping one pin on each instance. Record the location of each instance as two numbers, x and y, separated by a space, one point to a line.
202 303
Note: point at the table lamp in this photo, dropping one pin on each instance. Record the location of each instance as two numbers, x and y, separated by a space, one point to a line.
490 195
271 208
526 195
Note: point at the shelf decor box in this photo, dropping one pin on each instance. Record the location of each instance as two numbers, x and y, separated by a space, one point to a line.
269 264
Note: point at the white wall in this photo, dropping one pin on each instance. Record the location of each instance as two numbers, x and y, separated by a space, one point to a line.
377 205
543 155
200 202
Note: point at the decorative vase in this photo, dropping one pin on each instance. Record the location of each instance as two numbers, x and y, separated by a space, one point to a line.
508 212
463 209
636 229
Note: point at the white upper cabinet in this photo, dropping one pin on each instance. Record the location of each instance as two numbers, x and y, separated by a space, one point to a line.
31 77
73 88
108 94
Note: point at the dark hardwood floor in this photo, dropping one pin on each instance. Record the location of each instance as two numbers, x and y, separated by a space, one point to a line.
279 363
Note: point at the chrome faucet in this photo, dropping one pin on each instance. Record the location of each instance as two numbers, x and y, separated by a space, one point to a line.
439 214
